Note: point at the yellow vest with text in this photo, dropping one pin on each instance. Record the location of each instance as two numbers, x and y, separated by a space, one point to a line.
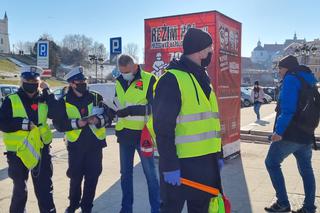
73 113
135 95
14 139
197 131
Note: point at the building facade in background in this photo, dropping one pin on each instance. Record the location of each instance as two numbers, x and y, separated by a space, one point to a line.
4 35
261 66
266 54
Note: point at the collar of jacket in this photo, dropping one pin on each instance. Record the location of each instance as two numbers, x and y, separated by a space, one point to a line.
36 97
300 68
84 100
124 83
186 65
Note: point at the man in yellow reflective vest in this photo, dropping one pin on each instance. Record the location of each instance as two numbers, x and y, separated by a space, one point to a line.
187 127
134 92
78 115
21 112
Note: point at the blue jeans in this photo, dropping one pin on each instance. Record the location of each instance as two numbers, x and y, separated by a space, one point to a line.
256 108
303 153
126 160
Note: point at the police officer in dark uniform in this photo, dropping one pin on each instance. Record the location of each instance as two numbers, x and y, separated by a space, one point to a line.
19 114
84 127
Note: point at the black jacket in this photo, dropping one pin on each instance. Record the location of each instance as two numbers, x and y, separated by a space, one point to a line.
9 124
129 136
166 107
87 140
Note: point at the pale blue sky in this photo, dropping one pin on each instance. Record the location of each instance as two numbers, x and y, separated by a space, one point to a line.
270 20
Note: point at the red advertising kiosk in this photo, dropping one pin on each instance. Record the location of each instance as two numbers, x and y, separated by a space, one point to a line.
163 42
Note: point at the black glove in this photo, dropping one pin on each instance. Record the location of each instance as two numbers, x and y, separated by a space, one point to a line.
110 113
123 112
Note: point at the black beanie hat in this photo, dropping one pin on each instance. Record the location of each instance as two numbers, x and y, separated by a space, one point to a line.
288 62
195 40
256 83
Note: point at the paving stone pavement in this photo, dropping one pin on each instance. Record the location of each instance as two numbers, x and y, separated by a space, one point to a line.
245 180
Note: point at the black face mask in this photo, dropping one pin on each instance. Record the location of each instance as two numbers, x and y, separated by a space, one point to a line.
81 87
205 62
30 87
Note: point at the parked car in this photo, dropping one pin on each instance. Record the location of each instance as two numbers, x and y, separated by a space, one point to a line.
59 92
271 91
7 89
267 99
246 99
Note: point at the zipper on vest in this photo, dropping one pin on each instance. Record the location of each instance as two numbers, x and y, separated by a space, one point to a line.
194 85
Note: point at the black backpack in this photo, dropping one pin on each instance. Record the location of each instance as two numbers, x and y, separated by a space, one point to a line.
307 116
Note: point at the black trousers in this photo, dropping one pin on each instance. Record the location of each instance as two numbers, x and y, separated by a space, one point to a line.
85 165
41 177
176 206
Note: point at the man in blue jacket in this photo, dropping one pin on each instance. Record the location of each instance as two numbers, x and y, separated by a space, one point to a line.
289 139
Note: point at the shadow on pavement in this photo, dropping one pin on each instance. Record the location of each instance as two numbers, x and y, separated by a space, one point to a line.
3 173
262 122
235 185
110 200
233 177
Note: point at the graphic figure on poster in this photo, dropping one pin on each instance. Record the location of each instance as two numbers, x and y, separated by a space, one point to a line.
224 37
159 65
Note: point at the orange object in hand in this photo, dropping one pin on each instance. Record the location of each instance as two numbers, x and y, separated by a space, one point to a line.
200 186
210 190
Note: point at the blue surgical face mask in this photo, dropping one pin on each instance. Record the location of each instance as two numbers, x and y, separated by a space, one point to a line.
128 76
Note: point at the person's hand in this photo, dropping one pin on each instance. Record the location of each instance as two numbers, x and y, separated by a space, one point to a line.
82 123
172 177
44 85
110 113
93 120
123 112
31 125
275 137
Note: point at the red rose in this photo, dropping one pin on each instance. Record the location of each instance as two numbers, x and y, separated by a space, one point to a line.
139 84
34 107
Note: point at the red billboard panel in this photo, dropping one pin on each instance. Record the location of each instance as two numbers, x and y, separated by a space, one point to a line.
163 42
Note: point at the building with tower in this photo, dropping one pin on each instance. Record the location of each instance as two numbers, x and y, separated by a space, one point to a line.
4 35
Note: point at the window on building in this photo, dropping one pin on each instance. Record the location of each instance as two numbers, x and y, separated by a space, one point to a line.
1 41
261 54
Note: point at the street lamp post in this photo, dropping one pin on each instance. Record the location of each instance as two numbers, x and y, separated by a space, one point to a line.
94 59
304 51
101 68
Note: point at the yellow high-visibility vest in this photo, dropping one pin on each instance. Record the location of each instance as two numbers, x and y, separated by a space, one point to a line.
197 131
73 113
14 139
136 94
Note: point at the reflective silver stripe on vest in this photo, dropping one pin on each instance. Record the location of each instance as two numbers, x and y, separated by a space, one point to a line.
197 117
198 137
32 150
146 149
133 118
134 104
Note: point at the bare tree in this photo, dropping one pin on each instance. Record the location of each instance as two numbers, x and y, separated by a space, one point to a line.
25 46
99 49
46 36
77 42
133 50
